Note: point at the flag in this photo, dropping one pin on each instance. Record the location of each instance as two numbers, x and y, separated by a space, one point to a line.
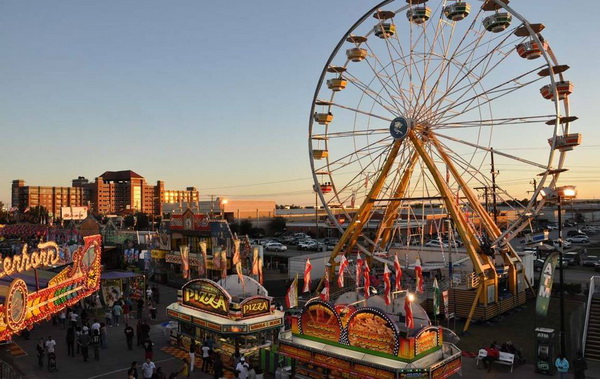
367 276
223 264
240 272
353 199
185 261
291 296
255 268
307 268
546 279
325 292
260 272
26 210
398 270
408 315
359 264
436 297
204 261
343 265
387 292
236 252
419 276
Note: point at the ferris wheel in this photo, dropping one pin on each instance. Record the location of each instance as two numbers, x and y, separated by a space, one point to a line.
450 107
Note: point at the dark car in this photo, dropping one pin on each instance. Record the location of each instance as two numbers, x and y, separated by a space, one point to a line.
590 260
573 258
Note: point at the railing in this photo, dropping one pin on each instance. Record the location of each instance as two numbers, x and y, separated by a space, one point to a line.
594 287
8 372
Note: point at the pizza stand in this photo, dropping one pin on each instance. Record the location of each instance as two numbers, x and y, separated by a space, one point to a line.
366 339
239 317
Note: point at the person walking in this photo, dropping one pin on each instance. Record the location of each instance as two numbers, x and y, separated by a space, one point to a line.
148 345
217 367
242 369
132 372
73 318
117 311
138 331
71 341
148 368
49 345
129 336
96 343
579 366
77 335
62 318
140 307
152 309
84 341
126 309
108 317
206 362
41 348
192 355
103 336
562 365
145 330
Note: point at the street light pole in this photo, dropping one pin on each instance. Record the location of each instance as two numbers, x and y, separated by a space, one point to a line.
562 296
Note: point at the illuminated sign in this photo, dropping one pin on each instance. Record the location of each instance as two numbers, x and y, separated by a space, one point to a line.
295 352
319 319
266 324
331 362
448 369
46 254
206 295
426 340
255 306
73 213
371 329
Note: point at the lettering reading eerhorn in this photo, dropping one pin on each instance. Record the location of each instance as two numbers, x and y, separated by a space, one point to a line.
211 300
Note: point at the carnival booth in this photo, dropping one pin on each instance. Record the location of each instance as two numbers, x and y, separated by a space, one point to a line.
365 338
236 312
121 284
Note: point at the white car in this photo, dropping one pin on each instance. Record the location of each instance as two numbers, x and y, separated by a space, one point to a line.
436 243
566 244
275 246
578 239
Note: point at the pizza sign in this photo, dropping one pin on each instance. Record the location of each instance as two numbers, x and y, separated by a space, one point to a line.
255 306
206 295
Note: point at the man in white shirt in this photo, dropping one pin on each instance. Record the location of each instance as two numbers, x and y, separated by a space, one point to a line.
242 369
148 369
50 343
73 319
95 326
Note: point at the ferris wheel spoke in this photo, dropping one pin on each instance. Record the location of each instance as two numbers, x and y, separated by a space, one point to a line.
373 95
468 103
482 63
488 149
389 90
356 110
494 122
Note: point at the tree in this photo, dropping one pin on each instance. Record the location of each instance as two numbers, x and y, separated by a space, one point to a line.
246 227
142 221
129 221
277 225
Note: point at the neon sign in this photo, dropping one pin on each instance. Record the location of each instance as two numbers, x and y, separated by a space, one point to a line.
46 254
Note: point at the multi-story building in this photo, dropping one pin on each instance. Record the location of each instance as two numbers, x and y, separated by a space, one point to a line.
113 192
51 198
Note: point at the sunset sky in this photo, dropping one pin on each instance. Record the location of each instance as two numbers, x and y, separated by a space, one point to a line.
211 94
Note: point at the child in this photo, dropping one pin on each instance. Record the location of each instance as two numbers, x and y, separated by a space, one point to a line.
108 317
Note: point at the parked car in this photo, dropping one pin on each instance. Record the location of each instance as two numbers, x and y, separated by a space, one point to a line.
552 226
275 246
569 223
573 233
573 258
566 244
597 266
306 244
578 239
590 260
436 243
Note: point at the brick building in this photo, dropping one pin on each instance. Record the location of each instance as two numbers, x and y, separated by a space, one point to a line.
113 192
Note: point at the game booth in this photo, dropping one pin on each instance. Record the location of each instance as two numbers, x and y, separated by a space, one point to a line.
29 294
366 339
235 312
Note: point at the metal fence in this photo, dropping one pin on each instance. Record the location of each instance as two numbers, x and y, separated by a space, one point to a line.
8 372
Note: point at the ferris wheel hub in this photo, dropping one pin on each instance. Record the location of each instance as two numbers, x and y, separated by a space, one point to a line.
400 126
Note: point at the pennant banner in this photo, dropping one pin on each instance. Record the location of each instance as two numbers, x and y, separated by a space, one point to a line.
203 267
398 270
546 279
436 297
185 261
307 269
255 262
419 276
408 315
367 277
359 264
343 265
387 292
291 297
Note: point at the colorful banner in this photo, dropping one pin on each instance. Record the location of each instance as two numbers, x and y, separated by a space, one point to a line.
307 269
291 297
546 280
112 290
371 329
342 268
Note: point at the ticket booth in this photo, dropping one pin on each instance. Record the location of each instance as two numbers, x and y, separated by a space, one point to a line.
545 340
